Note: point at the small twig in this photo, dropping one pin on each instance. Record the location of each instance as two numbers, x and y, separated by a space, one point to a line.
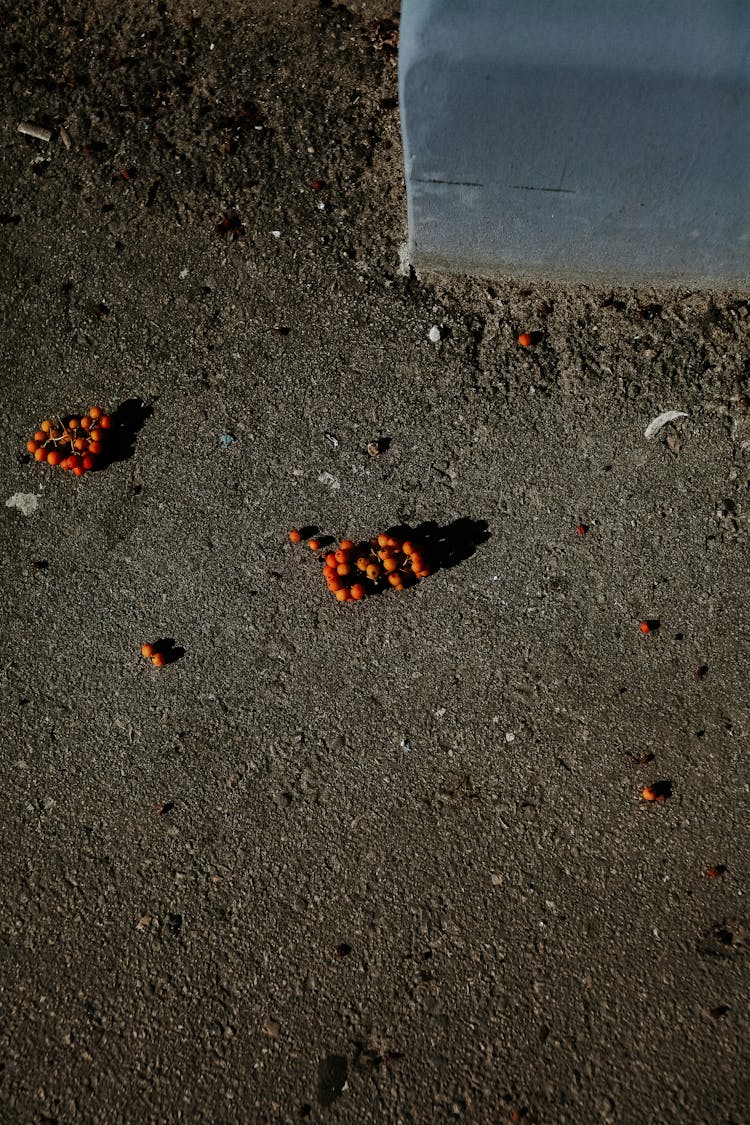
65 137
29 129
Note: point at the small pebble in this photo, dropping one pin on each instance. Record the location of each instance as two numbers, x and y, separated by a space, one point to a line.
434 334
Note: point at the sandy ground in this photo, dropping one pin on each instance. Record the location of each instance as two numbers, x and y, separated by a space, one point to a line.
403 871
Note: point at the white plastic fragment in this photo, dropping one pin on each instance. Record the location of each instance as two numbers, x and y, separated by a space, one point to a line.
330 481
661 420
434 334
26 502
276 233
29 129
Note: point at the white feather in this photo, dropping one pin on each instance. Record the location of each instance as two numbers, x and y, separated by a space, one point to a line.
661 420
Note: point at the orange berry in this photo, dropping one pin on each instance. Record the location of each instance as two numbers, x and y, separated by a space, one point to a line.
85 422
392 541
96 434
342 594
295 536
46 426
334 585
423 573
645 627
88 461
407 547
40 455
417 561
525 340
362 563
95 447
389 565
32 446
54 457
79 444
158 660
72 423
95 412
78 470
357 591
344 569
649 793
373 572
342 555
395 580
346 545
147 651
314 544
382 540
106 422
40 435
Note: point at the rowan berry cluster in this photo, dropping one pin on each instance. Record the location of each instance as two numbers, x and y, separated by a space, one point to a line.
73 444
354 570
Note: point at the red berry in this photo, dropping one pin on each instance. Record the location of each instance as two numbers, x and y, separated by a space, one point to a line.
88 461
106 422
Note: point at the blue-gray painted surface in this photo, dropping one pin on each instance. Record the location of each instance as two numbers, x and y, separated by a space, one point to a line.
579 138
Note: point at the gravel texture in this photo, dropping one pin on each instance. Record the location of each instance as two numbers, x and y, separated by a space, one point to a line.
377 862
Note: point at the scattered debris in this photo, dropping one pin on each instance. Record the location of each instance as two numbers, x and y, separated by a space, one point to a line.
343 949
147 922
700 672
225 440
161 808
332 440
658 792
332 1075
26 502
380 445
435 335
65 137
728 938
642 759
162 652
661 420
230 228
29 129
582 529
650 625
330 481
271 1028
716 871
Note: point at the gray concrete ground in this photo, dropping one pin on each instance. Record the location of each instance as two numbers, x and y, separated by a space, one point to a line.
407 874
